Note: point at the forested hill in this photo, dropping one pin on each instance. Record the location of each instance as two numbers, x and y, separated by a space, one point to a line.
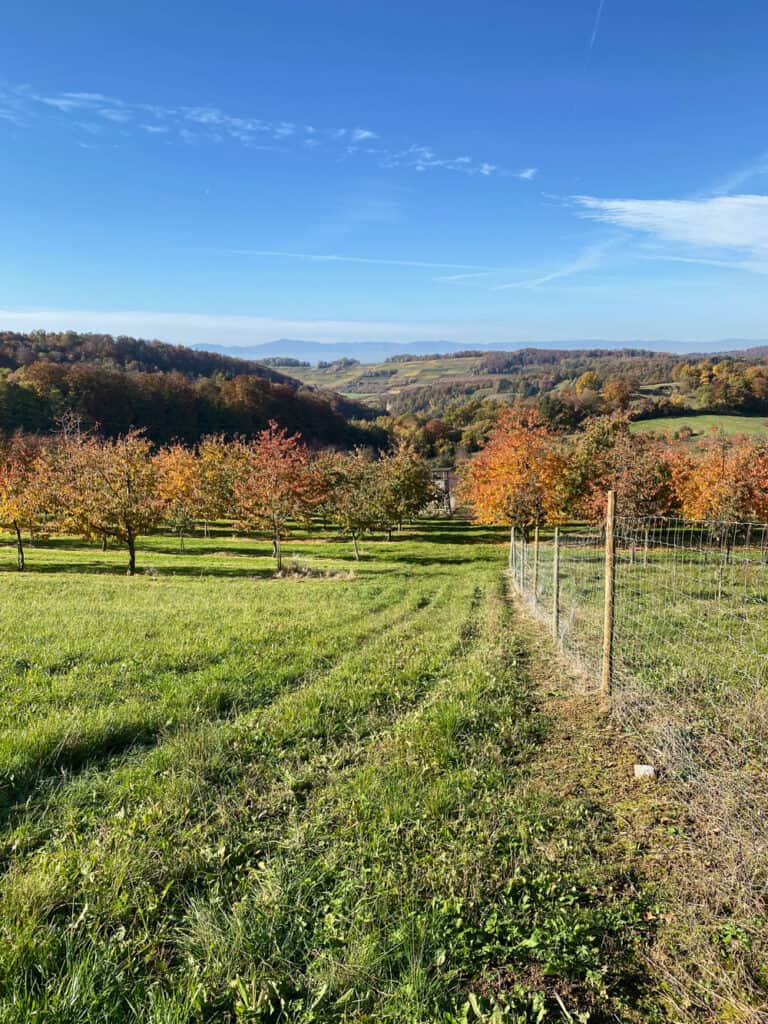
124 353
174 392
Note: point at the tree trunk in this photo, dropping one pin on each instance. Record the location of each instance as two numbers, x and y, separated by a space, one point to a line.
181 542
104 542
389 532
131 542
19 548
205 527
354 545
277 549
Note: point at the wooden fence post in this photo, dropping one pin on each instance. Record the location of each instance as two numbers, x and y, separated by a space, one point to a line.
556 587
512 552
610 586
535 580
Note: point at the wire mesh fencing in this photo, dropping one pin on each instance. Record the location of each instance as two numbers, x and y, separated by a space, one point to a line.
688 652
690 624
688 661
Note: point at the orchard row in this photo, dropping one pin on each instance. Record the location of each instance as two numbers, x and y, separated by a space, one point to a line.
119 489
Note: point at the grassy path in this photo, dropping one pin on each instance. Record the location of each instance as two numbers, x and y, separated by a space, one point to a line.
381 820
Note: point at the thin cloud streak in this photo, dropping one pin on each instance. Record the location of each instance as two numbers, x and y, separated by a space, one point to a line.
336 258
596 26
588 259
753 266
756 169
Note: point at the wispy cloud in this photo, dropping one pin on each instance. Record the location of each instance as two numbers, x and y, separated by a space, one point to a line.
337 258
596 25
527 174
757 168
195 123
473 275
424 158
754 266
729 222
589 258
729 231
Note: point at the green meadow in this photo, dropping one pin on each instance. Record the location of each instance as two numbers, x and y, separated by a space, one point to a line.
326 797
701 426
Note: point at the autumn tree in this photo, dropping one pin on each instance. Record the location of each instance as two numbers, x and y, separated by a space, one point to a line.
406 486
106 487
726 479
608 457
520 477
355 494
278 483
20 490
616 393
178 487
588 381
219 463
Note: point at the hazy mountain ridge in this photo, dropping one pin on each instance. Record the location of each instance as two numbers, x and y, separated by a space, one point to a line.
379 351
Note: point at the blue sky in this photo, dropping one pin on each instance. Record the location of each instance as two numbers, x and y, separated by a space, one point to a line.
509 171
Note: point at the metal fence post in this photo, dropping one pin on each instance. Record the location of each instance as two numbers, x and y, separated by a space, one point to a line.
523 562
556 587
512 552
535 580
610 583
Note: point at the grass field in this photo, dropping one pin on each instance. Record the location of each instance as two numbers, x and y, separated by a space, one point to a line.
227 797
701 426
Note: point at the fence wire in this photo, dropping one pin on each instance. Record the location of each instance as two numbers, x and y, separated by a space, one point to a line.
690 654
689 681
690 625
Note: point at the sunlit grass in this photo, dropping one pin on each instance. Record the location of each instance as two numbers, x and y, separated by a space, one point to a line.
227 797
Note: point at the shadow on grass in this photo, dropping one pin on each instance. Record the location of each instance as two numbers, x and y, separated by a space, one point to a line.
57 759
230 551
146 571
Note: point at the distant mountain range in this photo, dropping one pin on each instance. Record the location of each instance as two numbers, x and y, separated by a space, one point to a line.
378 351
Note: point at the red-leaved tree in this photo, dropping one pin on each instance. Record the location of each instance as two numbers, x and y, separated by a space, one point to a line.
277 483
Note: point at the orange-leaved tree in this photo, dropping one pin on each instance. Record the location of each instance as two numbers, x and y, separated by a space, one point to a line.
20 490
521 476
178 486
278 482
220 462
107 488
727 479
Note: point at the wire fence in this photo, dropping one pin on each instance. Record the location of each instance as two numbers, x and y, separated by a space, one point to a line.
686 644
690 624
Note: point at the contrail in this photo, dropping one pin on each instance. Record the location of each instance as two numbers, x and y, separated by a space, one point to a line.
596 26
